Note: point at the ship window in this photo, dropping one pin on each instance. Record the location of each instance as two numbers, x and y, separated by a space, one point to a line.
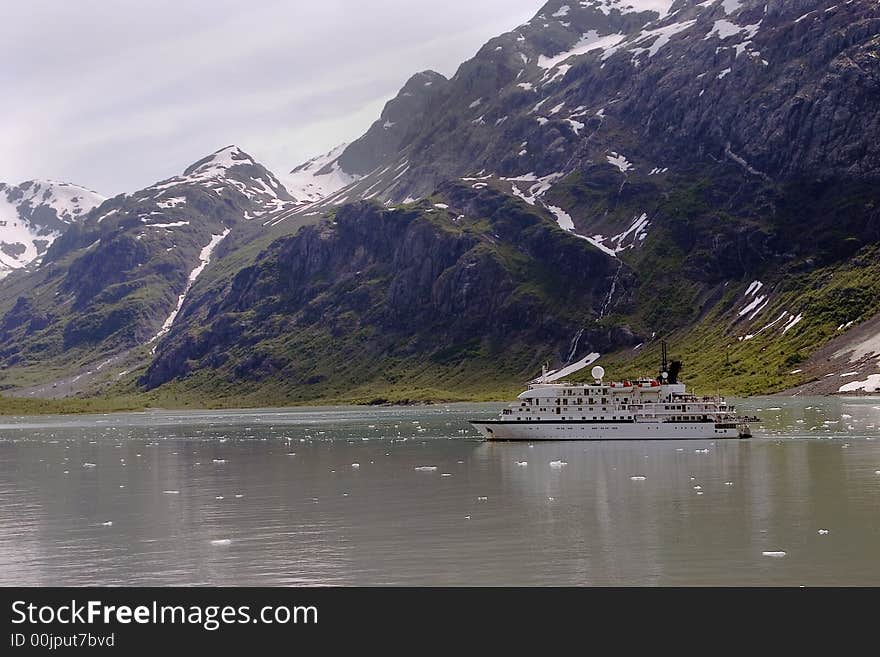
565 402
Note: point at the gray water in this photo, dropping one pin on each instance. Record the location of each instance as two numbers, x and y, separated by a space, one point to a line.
272 498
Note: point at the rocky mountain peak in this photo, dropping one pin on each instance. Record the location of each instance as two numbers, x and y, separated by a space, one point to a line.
398 119
219 162
228 170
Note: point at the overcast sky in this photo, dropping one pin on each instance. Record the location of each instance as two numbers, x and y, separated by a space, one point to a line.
117 94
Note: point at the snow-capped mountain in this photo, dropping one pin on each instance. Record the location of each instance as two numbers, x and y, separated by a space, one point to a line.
121 276
228 169
33 215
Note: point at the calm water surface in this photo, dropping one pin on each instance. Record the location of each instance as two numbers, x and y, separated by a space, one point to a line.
336 496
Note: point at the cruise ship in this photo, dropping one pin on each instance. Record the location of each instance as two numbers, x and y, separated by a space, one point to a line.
554 408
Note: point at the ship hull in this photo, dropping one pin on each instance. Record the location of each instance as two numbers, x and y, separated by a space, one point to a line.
579 430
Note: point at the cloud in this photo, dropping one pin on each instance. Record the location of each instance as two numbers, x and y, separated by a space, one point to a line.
116 94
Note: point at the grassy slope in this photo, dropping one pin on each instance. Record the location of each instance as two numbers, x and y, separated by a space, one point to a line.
718 357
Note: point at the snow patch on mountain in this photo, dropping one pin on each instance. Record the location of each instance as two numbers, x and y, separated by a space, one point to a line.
320 177
565 223
33 215
619 161
661 7
587 43
204 260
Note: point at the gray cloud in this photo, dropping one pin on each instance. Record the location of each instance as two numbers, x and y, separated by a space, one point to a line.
116 94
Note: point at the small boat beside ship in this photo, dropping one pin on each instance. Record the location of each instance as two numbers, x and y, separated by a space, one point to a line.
661 408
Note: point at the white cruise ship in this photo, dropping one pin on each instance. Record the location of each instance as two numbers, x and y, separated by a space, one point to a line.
645 409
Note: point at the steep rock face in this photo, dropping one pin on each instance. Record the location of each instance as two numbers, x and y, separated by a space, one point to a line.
34 214
780 90
478 276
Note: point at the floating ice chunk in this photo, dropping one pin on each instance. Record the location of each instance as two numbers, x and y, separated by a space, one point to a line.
638 478
109 523
698 488
701 451
482 498
822 532
89 465
558 464
171 492
728 483
221 541
219 461
551 499
239 496
426 468
355 466
773 553
522 464
445 474
218 497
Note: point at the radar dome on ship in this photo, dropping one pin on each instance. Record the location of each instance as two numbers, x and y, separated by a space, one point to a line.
598 372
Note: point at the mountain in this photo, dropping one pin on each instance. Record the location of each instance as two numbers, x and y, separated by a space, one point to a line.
33 215
454 294
715 148
604 175
761 85
110 287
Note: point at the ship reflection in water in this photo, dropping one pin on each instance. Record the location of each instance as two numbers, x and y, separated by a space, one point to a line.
413 496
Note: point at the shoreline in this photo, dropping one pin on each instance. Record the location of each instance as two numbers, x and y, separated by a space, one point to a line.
96 406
